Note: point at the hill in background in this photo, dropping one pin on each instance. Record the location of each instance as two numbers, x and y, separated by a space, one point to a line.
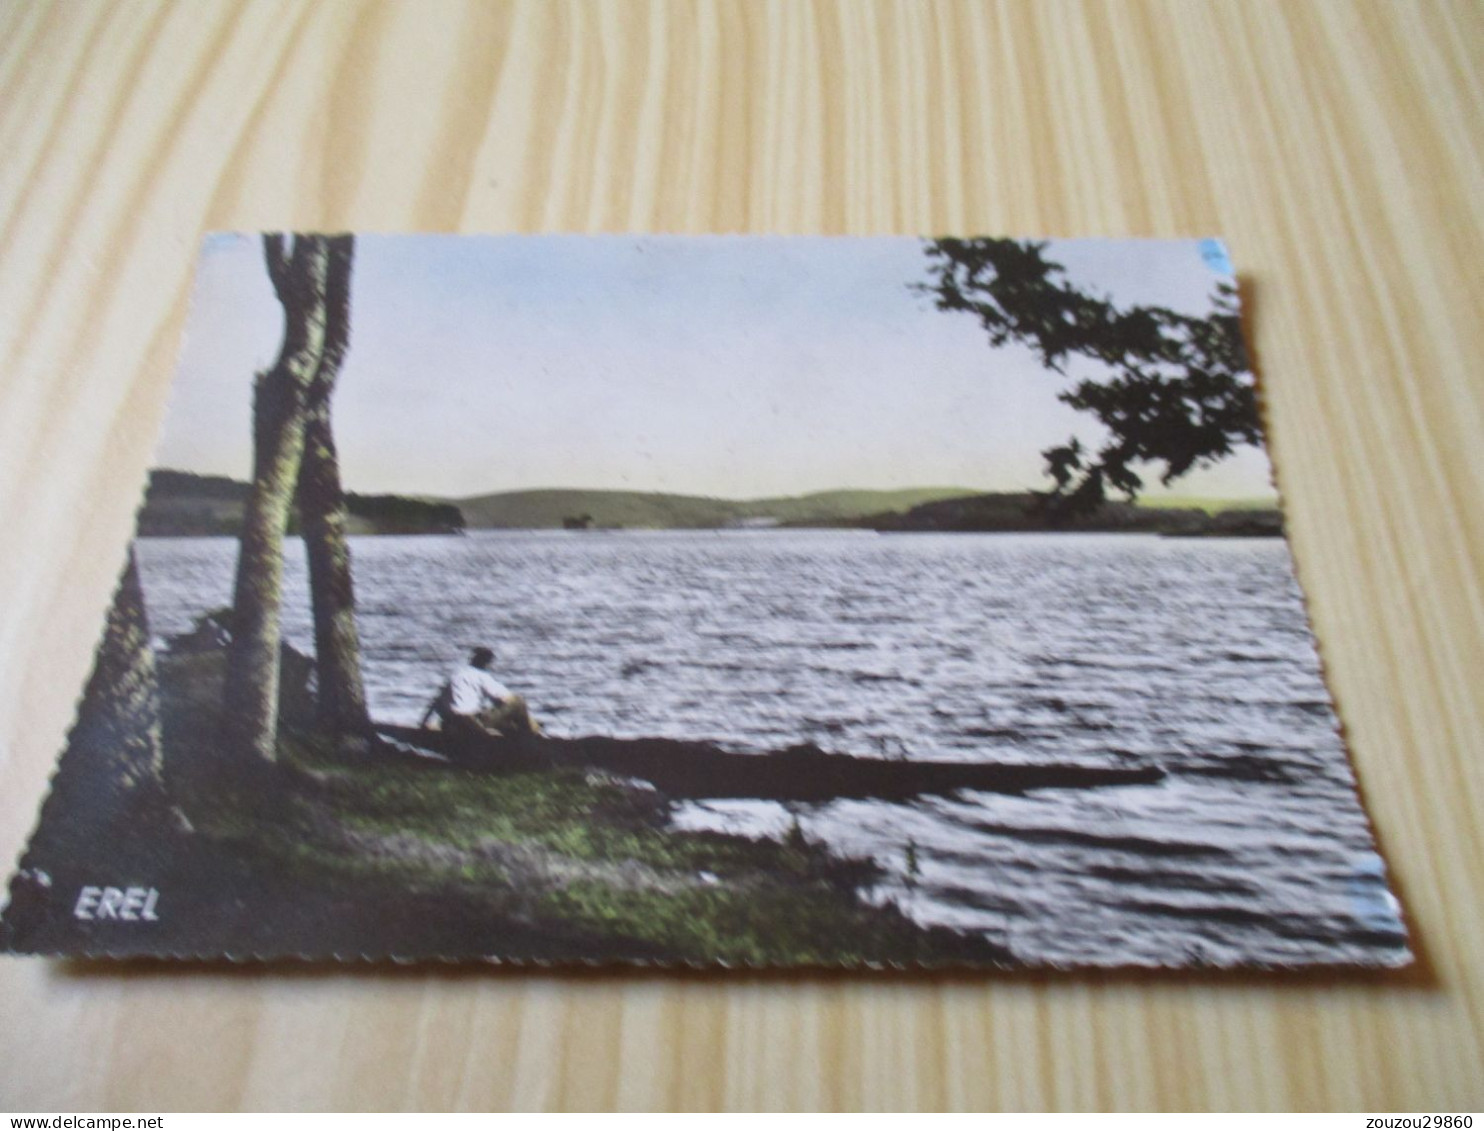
182 504
1017 512
554 508
1210 506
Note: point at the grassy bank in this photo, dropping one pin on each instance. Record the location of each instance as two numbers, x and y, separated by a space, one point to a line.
383 853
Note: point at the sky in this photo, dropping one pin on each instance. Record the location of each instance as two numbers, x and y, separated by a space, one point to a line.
738 367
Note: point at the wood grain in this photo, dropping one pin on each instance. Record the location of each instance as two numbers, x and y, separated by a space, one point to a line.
1337 145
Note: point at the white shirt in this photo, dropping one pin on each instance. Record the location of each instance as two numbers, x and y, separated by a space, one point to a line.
471 690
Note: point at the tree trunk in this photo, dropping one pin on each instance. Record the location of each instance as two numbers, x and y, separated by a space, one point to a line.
337 646
280 400
322 519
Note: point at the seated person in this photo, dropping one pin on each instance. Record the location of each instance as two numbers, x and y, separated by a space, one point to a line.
473 704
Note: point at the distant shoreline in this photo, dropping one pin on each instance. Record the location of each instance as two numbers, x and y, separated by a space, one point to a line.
743 533
183 504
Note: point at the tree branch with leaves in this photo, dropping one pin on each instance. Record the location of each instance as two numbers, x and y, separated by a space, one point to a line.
1172 390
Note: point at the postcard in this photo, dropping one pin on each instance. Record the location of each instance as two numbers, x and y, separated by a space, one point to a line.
716 601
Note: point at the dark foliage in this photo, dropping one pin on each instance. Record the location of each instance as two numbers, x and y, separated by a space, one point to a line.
398 513
180 503
1172 390
166 484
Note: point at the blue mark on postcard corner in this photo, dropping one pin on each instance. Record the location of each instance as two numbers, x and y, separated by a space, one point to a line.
1214 253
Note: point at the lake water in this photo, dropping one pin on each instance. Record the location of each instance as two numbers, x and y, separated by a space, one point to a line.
1095 648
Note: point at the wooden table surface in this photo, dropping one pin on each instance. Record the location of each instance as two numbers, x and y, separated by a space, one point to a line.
1336 145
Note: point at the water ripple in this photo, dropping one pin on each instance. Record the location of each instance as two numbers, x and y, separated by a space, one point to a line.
1020 648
